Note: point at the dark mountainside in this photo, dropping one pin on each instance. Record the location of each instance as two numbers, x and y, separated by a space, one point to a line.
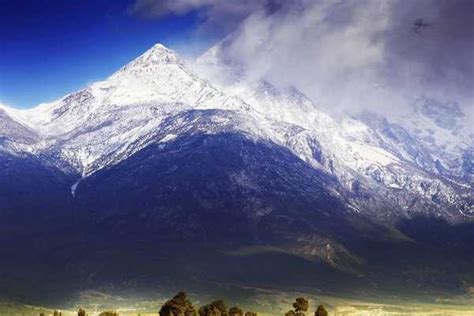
184 213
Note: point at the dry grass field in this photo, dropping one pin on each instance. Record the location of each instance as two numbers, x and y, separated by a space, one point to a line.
267 302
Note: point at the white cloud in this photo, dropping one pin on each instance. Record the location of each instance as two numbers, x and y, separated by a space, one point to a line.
361 54
349 54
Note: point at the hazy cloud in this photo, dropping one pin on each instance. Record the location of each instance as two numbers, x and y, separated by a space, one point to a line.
378 54
218 16
362 54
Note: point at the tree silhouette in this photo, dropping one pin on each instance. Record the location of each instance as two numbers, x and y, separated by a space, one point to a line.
216 308
179 305
321 311
300 306
250 314
221 307
81 312
235 311
209 310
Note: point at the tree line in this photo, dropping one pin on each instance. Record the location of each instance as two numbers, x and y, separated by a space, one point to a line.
180 305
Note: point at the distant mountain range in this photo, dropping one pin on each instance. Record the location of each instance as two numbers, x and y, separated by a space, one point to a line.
163 156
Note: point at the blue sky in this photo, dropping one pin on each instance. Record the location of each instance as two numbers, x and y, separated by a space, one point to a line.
51 48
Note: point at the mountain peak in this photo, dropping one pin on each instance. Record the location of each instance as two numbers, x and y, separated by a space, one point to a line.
159 46
158 54
159 50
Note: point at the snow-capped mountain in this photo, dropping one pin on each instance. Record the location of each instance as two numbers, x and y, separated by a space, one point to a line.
167 152
386 168
427 153
101 121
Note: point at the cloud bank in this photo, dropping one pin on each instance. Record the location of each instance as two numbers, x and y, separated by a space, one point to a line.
347 55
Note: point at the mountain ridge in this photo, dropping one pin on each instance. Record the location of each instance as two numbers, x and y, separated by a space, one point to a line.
108 121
